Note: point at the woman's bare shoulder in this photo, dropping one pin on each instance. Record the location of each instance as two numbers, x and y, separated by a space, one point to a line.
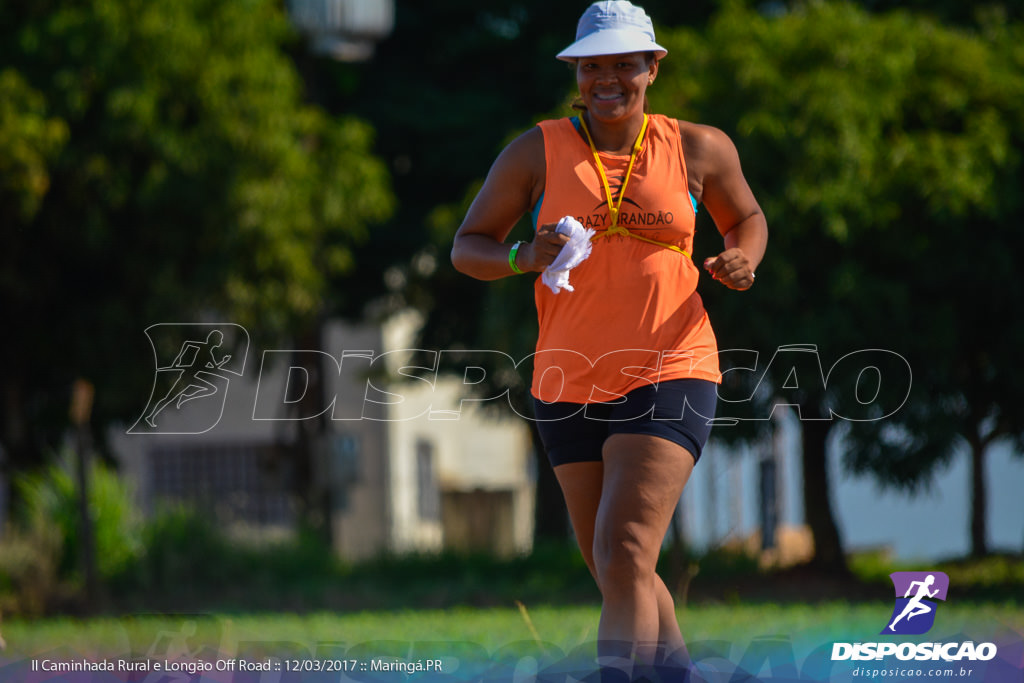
521 163
525 149
701 141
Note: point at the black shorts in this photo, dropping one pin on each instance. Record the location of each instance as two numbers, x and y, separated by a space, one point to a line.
680 410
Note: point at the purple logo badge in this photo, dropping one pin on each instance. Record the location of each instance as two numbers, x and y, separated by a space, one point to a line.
916 593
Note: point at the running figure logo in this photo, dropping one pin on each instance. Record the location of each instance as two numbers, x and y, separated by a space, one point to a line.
200 369
916 593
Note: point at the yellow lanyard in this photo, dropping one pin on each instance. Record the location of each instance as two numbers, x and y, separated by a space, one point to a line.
615 205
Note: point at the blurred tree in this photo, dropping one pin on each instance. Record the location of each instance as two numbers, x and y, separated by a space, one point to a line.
953 11
29 141
158 163
967 340
882 148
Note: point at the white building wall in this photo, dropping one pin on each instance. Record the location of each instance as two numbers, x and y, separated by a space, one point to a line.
472 450
362 495
368 457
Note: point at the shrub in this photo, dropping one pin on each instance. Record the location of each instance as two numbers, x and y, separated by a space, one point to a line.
50 499
40 554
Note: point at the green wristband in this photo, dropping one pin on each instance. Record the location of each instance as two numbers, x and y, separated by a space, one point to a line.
512 258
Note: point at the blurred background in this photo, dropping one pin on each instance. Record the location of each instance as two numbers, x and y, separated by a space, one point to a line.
272 188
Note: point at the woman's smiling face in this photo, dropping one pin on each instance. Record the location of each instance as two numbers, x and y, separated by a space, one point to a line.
613 86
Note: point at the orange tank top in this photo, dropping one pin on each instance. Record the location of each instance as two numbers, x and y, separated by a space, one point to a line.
635 317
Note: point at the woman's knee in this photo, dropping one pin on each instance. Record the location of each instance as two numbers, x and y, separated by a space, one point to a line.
623 560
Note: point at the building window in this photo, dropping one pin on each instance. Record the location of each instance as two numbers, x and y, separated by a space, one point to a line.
428 497
231 480
344 464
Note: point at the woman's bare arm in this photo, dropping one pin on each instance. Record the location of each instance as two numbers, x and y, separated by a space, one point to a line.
714 170
513 185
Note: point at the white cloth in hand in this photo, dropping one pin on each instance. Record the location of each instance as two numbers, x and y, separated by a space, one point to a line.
573 253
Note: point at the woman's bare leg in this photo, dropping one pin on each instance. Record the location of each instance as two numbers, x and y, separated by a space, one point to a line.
644 477
582 486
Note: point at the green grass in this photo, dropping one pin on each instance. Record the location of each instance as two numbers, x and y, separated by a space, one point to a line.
486 629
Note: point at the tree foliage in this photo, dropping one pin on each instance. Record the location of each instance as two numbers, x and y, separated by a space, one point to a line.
163 166
29 140
884 149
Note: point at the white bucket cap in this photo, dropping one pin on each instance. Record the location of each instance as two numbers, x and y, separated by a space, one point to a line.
613 27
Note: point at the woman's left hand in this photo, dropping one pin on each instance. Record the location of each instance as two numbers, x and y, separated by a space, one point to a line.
731 268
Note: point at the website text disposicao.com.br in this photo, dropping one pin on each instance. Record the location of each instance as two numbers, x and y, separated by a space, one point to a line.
900 673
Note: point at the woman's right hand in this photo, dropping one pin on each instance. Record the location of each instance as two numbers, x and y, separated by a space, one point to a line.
538 254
